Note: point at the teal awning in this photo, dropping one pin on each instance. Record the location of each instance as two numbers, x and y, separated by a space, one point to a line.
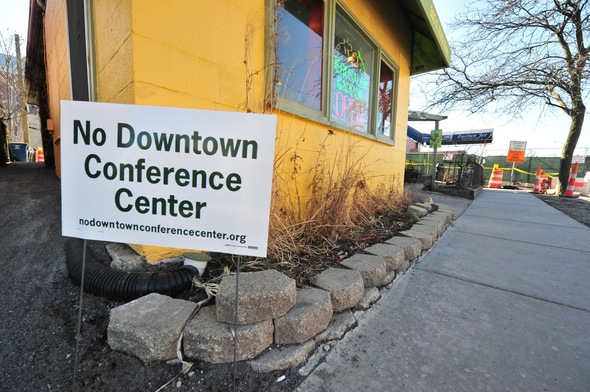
430 48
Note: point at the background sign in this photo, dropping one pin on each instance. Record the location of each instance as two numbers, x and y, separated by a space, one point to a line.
436 138
516 152
171 177
482 136
517 145
516 156
578 159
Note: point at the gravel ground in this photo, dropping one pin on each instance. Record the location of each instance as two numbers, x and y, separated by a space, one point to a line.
577 207
39 314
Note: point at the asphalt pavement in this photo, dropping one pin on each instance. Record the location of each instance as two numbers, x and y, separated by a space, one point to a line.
500 303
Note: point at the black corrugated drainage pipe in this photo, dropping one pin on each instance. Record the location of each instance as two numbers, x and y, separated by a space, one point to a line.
104 281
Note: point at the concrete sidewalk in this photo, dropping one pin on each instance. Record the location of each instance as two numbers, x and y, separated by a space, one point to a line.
500 303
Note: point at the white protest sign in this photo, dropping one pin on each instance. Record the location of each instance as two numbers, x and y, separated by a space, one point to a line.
517 145
180 178
578 159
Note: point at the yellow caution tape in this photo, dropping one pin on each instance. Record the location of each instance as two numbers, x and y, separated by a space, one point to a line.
555 174
551 175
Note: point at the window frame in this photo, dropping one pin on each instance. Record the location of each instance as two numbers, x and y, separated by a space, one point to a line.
395 69
323 115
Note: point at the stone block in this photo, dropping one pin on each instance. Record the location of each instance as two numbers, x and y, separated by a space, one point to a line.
437 215
310 315
412 247
263 295
390 277
372 268
393 255
123 258
427 228
403 267
282 357
212 341
424 198
149 327
439 224
413 209
426 206
371 296
427 239
344 285
448 214
340 323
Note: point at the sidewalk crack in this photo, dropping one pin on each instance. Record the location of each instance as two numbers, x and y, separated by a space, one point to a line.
505 290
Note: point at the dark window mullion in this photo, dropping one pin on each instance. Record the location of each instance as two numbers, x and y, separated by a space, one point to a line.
330 27
374 97
388 74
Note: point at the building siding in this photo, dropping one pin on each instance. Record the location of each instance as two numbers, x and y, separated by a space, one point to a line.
211 55
58 67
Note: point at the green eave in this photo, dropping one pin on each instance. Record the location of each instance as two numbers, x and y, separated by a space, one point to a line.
430 48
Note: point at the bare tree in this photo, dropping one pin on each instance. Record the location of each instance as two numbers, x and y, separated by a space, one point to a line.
12 105
518 54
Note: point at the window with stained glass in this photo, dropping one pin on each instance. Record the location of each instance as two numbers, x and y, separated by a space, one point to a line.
385 97
344 80
300 37
354 61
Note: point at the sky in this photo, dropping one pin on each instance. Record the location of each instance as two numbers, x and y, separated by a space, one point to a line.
14 17
540 133
548 132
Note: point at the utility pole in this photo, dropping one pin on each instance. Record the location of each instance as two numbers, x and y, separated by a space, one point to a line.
434 156
422 116
435 143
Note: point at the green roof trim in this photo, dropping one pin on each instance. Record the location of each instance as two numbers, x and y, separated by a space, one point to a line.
431 50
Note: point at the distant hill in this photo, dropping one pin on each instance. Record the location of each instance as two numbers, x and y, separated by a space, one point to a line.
3 62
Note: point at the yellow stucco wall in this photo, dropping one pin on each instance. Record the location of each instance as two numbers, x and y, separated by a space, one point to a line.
194 55
57 68
211 55
382 162
113 51
164 54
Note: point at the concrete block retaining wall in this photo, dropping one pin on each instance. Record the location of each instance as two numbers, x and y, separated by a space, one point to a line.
270 308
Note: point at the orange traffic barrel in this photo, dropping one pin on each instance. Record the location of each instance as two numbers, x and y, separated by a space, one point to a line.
496 179
571 185
537 188
39 156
